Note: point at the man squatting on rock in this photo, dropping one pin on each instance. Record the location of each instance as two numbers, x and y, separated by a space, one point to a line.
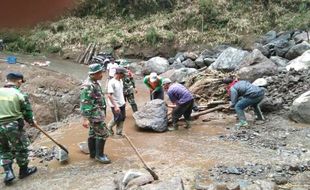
154 83
116 101
183 102
242 95
15 108
93 108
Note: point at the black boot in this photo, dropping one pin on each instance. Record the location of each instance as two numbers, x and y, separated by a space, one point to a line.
99 152
25 171
9 174
92 147
134 107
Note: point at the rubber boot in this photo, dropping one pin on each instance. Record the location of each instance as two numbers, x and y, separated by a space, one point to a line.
9 174
188 124
119 128
102 158
134 107
110 126
25 171
92 147
174 127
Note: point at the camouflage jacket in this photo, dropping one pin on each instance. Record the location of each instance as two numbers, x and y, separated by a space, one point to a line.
26 108
129 85
93 105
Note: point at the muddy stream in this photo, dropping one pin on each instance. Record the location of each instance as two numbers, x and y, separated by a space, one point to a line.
181 153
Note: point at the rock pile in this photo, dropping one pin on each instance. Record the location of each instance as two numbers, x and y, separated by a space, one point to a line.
284 88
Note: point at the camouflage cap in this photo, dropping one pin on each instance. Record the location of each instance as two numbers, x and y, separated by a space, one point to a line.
94 68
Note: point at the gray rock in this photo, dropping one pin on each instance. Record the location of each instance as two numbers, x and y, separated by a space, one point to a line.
279 61
191 55
260 82
153 115
256 65
300 63
175 183
189 63
156 64
261 48
268 37
301 36
180 75
297 50
229 59
300 110
251 187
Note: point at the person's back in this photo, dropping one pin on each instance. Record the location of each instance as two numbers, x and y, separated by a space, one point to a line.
179 94
10 101
246 89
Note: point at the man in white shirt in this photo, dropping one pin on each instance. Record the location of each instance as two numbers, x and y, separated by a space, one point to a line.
112 68
116 101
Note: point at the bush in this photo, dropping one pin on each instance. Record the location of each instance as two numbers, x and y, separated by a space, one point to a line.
152 37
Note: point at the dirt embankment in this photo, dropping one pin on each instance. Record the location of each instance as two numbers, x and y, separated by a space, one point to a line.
16 13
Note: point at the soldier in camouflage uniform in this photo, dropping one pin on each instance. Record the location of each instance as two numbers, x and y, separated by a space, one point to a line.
129 88
93 108
15 108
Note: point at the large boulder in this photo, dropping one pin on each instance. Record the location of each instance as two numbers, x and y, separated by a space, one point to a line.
229 59
297 50
256 65
152 116
300 110
301 36
300 63
156 64
179 75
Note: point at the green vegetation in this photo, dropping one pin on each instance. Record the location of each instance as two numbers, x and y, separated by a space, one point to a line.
155 23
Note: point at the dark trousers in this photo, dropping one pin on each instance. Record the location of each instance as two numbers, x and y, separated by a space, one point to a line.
182 109
118 117
159 94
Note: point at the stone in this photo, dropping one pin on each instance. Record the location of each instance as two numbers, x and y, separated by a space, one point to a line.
256 65
297 50
189 63
279 61
300 63
229 59
266 185
260 82
152 116
175 183
156 64
300 110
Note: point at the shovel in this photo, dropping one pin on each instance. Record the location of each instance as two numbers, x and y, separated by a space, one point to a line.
63 154
155 176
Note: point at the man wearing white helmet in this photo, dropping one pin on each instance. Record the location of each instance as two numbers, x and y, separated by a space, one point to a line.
182 100
154 83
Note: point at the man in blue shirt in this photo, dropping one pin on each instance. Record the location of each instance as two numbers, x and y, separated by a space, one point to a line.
182 100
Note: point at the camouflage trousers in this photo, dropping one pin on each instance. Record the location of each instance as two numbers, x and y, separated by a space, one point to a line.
131 100
98 130
13 144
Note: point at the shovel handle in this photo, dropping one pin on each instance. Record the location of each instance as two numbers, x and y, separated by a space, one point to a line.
155 176
61 146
